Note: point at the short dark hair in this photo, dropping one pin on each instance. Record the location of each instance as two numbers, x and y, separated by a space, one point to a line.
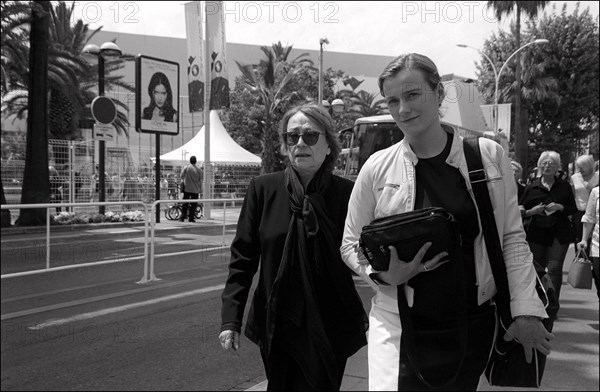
193 159
411 61
321 118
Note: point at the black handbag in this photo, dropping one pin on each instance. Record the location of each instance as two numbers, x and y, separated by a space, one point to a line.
407 232
507 365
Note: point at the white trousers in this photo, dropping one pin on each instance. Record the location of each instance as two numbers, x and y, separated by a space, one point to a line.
384 348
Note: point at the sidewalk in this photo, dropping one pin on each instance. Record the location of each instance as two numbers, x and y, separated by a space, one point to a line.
572 365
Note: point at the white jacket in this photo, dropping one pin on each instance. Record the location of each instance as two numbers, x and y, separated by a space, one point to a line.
386 186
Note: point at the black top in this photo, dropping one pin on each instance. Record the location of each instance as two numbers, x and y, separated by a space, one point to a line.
260 237
543 228
441 185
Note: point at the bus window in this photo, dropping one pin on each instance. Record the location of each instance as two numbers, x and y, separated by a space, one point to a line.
372 137
374 133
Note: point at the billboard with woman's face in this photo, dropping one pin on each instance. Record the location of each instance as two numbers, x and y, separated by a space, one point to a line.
157 95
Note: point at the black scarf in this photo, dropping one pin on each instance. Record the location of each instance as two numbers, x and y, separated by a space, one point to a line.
312 279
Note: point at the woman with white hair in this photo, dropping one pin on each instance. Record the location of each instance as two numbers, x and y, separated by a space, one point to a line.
583 181
549 201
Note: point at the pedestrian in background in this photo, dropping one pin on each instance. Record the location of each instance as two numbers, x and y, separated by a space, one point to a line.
306 315
171 186
583 181
549 201
428 168
191 178
55 187
591 221
518 173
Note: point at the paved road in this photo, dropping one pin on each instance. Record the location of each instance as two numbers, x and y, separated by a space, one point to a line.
97 328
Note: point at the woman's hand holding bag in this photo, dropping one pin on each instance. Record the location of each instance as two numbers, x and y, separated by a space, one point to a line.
531 333
401 271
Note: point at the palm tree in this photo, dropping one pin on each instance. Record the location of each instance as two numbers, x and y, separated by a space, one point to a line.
72 81
283 52
364 104
531 9
14 37
268 82
71 103
36 183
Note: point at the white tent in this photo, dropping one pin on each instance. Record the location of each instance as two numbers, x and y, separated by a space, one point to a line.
223 149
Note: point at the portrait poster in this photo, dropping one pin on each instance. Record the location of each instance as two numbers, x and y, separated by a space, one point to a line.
157 95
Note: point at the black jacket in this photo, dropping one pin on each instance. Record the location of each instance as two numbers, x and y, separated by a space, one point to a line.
543 229
260 237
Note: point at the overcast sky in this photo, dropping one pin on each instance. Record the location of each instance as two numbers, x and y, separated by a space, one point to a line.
383 28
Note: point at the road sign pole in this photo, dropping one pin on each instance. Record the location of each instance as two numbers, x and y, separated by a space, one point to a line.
157 176
101 145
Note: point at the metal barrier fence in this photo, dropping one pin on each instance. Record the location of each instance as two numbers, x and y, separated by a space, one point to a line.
151 275
48 206
129 173
149 231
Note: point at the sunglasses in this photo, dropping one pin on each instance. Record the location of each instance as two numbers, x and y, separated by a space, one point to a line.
310 138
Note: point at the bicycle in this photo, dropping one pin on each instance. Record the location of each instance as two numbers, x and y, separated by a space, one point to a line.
174 211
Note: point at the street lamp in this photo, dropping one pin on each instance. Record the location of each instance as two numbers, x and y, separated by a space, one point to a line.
95 54
321 42
498 74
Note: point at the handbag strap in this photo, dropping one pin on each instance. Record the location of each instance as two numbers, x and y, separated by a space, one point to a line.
478 179
581 251
408 332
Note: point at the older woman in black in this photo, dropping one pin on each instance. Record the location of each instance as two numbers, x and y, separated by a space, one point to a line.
306 315
548 202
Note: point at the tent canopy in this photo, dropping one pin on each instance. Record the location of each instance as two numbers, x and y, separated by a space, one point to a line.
223 149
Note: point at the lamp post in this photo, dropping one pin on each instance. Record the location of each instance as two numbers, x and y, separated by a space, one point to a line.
320 94
498 74
95 54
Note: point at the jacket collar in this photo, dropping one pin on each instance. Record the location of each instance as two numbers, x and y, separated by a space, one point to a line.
453 157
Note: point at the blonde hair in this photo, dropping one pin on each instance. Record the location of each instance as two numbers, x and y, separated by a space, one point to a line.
586 162
517 167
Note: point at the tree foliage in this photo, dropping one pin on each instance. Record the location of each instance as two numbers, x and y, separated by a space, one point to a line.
531 9
267 84
559 80
265 91
72 82
572 58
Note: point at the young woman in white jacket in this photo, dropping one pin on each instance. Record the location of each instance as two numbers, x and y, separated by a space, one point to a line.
428 169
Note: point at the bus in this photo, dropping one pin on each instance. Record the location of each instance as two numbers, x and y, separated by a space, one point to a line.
374 133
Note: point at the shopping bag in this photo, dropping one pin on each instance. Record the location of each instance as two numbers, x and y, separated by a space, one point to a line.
580 272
